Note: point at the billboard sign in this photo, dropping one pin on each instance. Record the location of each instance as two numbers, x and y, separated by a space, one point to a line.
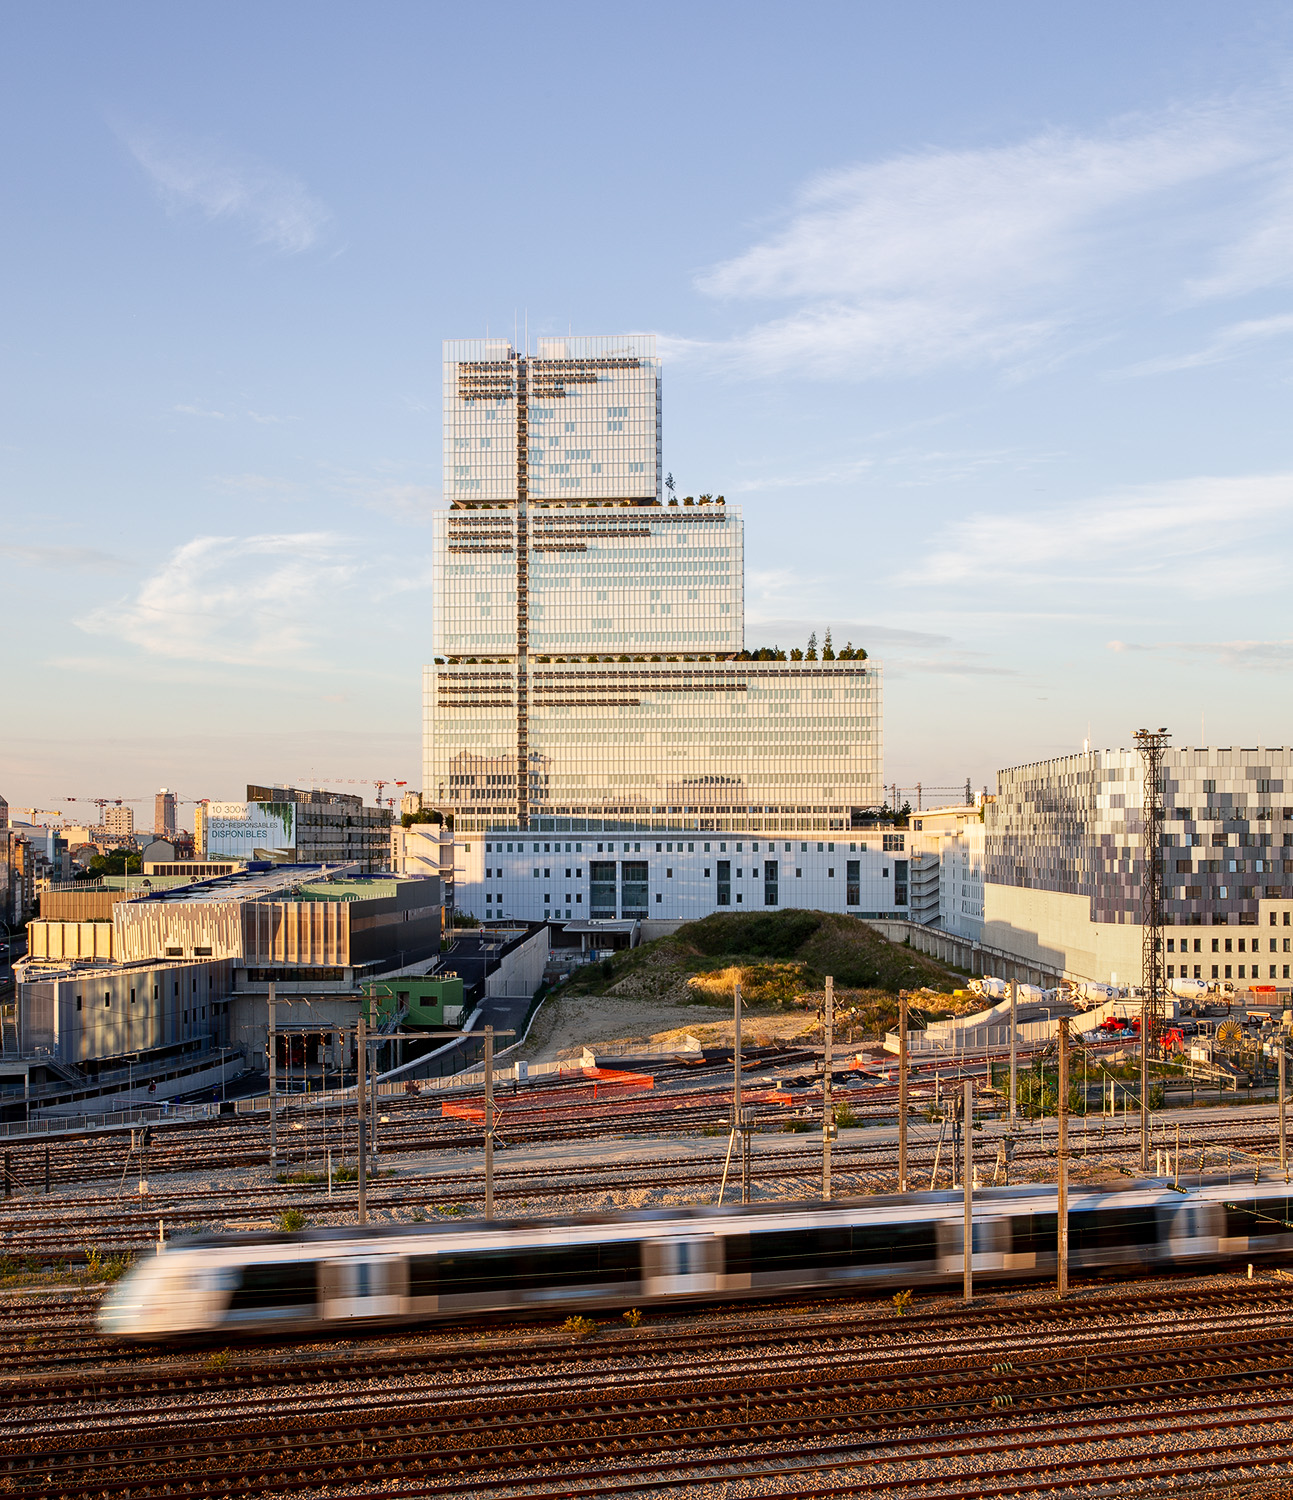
244 829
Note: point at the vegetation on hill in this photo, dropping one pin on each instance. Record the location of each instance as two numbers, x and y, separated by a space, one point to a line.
781 958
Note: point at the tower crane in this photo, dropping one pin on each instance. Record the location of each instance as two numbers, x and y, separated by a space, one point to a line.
44 812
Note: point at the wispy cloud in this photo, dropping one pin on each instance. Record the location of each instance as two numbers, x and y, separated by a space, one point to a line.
276 209
988 256
88 559
1228 344
1261 655
248 601
1144 533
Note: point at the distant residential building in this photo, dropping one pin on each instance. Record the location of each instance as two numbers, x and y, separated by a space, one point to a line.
1064 860
17 879
164 814
4 813
119 821
410 804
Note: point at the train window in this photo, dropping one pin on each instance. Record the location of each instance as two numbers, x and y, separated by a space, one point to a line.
483 1272
1034 1234
276 1284
811 1249
1113 1228
1253 1217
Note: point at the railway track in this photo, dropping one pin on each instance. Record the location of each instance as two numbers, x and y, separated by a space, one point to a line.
870 1414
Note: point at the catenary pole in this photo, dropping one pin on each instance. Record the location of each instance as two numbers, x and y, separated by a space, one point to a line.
902 1091
828 1113
1284 1148
1062 1168
489 1122
967 1184
1014 1052
271 1050
361 1099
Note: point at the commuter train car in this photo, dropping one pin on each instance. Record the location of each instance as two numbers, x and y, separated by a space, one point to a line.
333 1278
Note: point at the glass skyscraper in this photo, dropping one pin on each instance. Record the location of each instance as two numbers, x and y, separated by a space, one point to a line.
590 671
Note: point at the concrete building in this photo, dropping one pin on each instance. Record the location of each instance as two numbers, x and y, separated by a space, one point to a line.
119 821
591 678
947 852
182 964
648 874
1064 862
290 826
164 814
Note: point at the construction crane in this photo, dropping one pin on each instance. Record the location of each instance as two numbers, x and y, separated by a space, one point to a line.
327 781
102 802
44 812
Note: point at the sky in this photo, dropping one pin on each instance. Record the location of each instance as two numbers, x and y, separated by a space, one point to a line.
982 312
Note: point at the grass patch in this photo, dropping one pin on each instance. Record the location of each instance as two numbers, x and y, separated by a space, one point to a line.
796 1127
633 1317
579 1327
781 959
303 1177
292 1219
101 1266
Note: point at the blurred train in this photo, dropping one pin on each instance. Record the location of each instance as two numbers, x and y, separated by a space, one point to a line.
325 1279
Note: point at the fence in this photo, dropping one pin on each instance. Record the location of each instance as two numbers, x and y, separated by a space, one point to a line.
122 1119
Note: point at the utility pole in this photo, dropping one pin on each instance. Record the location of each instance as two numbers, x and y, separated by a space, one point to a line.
489 1122
1062 1174
902 1091
967 1175
1014 1052
272 1053
361 1046
828 1113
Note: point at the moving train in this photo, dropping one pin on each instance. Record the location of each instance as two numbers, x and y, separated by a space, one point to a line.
325 1279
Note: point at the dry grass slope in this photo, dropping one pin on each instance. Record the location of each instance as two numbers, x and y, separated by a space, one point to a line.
784 956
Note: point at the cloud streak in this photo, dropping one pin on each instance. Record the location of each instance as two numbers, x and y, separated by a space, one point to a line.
274 208
88 559
1228 344
240 601
1144 533
995 256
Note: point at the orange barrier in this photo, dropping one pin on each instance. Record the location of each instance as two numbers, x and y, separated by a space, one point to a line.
596 1084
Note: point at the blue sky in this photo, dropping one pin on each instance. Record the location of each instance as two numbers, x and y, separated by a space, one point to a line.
983 312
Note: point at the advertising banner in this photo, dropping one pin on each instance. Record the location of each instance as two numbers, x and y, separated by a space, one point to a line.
239 829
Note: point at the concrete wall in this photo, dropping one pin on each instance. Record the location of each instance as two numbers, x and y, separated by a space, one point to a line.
70 940
1054 931
98 1012
521 971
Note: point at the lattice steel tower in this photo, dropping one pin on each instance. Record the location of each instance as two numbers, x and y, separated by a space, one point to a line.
1151 743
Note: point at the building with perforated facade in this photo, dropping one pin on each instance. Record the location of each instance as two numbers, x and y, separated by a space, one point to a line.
1064 860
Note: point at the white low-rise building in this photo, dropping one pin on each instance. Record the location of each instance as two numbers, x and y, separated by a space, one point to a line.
677 876
952 840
